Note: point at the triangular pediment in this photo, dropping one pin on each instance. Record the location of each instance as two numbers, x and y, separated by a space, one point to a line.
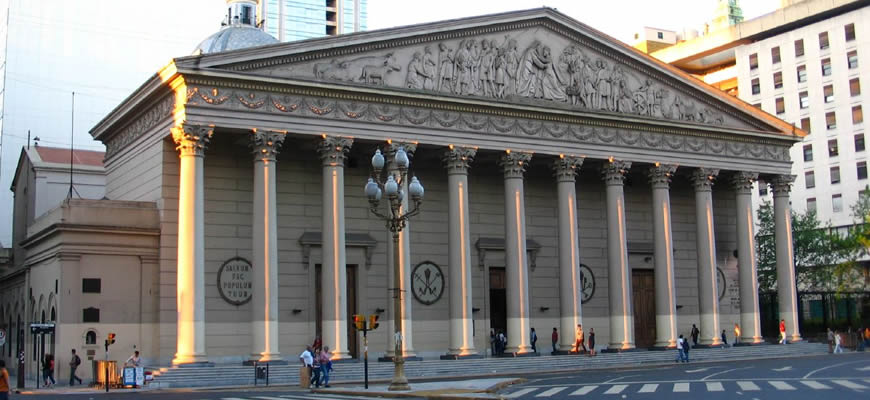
539 57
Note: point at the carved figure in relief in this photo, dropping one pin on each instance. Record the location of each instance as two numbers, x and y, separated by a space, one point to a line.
602 84
622 95
445 71
537 77
644 99
685 111
462 68
416 75
512 57
500 67
487 74
475 66
375 74
429 69
370 70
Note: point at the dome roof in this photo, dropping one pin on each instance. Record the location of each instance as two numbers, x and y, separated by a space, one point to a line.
234 37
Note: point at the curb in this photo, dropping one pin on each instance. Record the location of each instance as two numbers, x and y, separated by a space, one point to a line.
455 394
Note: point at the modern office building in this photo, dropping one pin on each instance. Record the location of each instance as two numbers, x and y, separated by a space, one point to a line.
291 20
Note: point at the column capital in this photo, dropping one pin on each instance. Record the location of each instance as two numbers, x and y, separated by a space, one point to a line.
742 181
782 184
391 148
457 160
567 167
702 179
265 144
613 172
191 140
333 150
660 175
514 163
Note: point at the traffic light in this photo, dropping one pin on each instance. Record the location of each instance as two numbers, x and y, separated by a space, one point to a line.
111 339
359 321
373 321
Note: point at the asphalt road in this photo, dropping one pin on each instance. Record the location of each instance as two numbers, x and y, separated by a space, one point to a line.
250 394
841 377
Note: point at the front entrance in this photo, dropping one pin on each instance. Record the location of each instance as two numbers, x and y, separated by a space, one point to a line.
497 300
643 290
352 337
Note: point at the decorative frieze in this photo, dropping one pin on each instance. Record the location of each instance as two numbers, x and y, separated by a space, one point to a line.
458 159
702 179
191 140
613 171
566 168
514 163
742 181
333 150
265 144
142 124
782 184
660 175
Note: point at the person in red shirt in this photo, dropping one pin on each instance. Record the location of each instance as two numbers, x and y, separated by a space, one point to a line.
782 331
4 381
555 337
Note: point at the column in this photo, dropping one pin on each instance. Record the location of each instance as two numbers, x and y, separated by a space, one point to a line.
516 264
705 239
785 275
191 141
750 325
264 322
663 241
405 260
571 314
333 152
458 160
618 272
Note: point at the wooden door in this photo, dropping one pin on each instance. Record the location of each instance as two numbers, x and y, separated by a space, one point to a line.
352 336
497 300
644 301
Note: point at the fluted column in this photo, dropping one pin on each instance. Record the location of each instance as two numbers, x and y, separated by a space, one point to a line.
785 274
705 239
404 260
458 160
570 308
516 265
333 152
191 141
618 271
750 324
666 299
264 319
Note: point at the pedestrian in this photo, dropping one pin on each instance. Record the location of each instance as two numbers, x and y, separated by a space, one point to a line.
318 343
686 348
315 368
492 344
860 339
830 341
681 352
48 371
782 332
837 341
4 381
555 337
534 337
578 340
736 334
724 339
74 363
307 363
502 342
591 342
325 366
133 361
695 333
867 336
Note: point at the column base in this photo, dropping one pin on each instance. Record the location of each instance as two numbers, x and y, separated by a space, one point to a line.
387 358
449 356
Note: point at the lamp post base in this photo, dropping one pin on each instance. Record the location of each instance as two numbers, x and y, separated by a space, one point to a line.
399 382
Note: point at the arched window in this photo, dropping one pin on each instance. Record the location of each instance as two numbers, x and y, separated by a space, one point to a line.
91 337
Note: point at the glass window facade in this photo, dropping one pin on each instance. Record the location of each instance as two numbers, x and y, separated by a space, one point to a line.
291 20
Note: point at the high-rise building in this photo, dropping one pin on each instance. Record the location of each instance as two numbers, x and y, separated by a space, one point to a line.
289 20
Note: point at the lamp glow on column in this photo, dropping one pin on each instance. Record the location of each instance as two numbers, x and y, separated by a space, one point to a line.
396 218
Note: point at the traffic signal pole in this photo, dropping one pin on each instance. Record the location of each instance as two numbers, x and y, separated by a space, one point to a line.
360 323
366 357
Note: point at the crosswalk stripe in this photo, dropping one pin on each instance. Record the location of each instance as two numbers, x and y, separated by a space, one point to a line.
681 387
748 386
551 392
616 389
815 385
584 390
780 385
715 387
849 384
649 388
520 392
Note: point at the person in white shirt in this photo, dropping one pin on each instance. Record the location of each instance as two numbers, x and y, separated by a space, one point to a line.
837 341
133 361
306 357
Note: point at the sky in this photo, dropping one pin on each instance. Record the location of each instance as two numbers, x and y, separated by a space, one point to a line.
104 49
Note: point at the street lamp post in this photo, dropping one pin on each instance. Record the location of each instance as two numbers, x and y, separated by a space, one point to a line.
396 220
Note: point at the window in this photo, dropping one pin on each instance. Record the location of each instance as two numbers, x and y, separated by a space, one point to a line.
91 314
831 120
823 41
862 170
810 179
829 93
660 35
833 149
756 86
804 98
835 175
805 125
802 73
774 55
808 152
798 47
857 115
777 80
91 337
762 188
859 142
753 61
811 204
826 67
837 202
850 32
852 59
90 285
854 87
780 105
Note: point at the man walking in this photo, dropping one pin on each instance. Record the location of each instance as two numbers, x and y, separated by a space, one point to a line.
736 334
534 341
555 337
74 363
4 381
695 333
782 332
681 352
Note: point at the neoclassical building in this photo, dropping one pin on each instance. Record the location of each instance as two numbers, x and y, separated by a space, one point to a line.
568 179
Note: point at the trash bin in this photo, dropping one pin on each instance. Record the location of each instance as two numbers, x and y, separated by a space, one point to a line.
261 372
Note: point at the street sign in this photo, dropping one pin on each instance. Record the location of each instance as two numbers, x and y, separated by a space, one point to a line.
36 328
2 337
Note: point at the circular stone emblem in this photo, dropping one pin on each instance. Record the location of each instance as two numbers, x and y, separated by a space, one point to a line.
587 284
235 281
427 283
721 284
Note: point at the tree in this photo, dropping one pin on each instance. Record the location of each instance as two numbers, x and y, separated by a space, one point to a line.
856 245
